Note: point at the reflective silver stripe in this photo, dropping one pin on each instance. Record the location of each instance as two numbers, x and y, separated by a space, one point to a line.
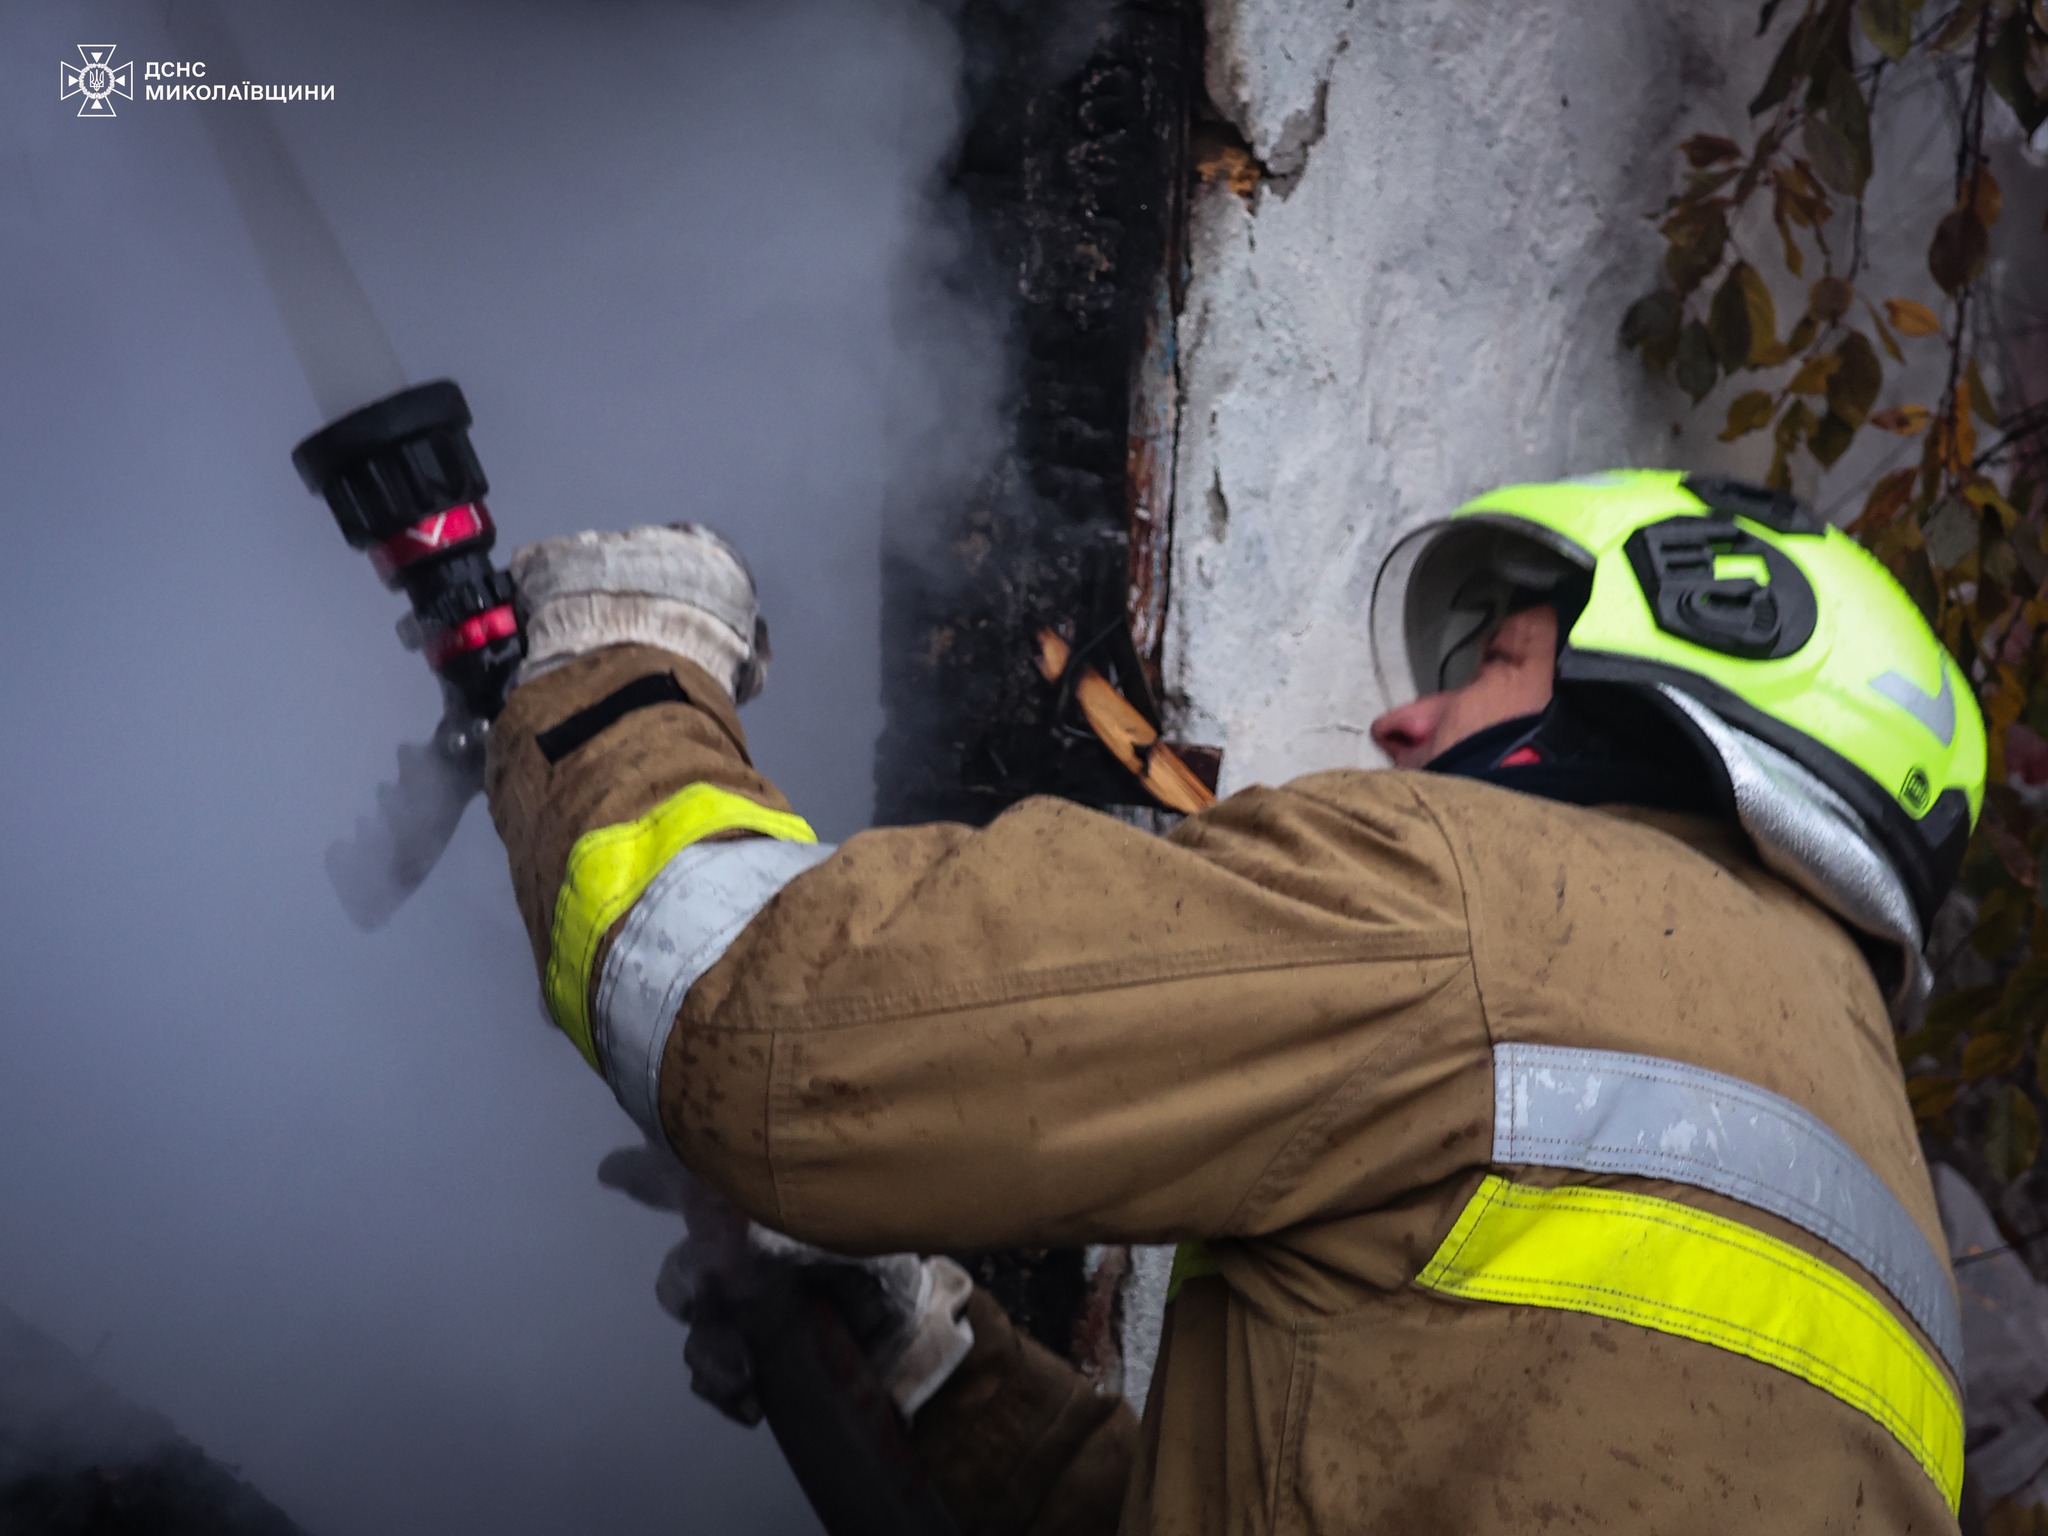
686 918
1936 711
1612 1112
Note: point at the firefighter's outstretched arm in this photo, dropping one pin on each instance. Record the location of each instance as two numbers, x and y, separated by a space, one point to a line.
1055 1029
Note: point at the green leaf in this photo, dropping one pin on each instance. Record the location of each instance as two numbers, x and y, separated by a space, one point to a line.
1833 159
1848 113
1830 439
1728 326
1889 26
1694 367
1853 387
1651 326
1949 535
2012 1133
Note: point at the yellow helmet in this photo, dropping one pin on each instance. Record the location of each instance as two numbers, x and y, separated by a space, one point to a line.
1801 669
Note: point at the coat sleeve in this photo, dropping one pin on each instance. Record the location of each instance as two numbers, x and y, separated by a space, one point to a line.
1053 1030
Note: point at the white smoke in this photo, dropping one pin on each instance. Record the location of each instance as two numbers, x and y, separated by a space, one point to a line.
329 1196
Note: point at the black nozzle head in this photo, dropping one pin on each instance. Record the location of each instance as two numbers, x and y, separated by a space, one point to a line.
394 462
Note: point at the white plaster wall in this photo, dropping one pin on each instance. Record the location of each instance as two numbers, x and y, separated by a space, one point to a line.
1422 303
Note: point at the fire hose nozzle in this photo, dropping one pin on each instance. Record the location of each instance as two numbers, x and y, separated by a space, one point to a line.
405 487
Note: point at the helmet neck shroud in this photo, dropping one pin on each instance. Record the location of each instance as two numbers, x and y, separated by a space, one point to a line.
1927 855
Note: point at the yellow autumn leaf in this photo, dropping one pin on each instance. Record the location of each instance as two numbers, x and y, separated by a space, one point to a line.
1909 317
1906 420
2007 702
1990 1056
1983 495
1747 412
1931 1095
1813 375
1959 441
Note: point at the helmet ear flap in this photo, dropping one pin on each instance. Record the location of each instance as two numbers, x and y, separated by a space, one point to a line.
1658 734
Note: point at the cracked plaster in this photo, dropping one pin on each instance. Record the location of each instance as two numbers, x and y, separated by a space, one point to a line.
1426 306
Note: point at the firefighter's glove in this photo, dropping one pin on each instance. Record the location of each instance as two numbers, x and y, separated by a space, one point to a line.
904 1311
681 588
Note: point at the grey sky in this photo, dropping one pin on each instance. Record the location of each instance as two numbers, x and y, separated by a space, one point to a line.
328 1198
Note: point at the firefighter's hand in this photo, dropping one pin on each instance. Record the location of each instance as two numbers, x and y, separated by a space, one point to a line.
905 1312
681 588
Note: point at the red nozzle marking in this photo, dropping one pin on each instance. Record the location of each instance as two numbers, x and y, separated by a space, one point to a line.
1522 757
430 536
472 634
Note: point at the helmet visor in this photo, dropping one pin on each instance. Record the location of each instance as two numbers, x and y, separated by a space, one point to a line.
1443 590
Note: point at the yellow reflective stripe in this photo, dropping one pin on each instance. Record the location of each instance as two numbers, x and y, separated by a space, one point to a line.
1683 1271
610 867
1190 1262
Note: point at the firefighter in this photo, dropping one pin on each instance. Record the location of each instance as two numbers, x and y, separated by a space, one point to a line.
1531 1124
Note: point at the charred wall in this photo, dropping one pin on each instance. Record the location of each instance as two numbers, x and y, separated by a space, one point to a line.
1071 175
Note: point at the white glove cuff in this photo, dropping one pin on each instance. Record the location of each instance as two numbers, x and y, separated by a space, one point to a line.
582 622
940 1340
682 589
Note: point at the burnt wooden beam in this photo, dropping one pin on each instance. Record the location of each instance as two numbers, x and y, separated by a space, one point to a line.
1072 172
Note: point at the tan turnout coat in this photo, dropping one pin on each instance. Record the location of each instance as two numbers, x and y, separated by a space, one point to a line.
1269 1030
